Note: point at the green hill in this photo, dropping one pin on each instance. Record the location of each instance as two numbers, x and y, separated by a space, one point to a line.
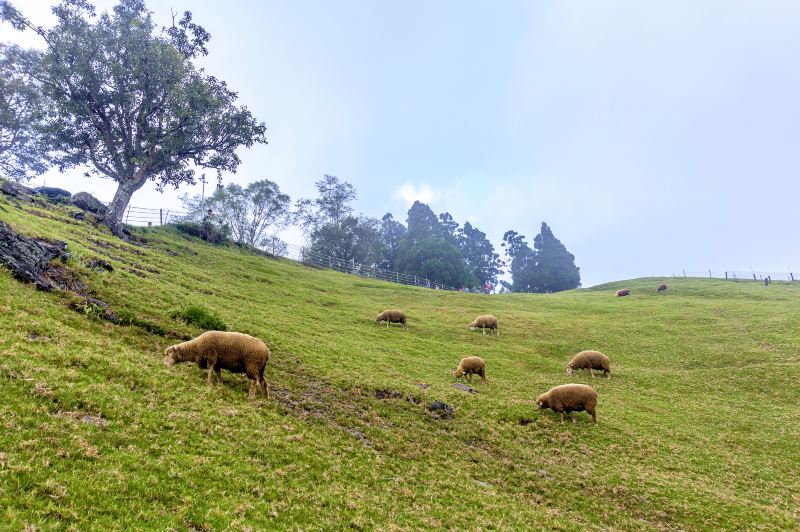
698 426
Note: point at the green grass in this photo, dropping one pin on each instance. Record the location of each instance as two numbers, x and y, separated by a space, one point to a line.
698 427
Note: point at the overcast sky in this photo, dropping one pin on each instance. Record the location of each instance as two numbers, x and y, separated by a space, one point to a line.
651 136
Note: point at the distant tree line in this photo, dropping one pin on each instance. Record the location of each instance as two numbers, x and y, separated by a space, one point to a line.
430 246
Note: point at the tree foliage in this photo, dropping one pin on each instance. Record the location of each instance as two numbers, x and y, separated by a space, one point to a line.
127 100
479 254
427 250
22 111
333 231
251 214
548 267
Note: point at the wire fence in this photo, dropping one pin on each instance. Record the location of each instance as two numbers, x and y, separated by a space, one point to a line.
740 275
148 217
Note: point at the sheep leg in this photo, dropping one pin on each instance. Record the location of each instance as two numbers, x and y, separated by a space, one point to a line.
251 392
484 330
265 386
562 417
210 371
219 375
591 372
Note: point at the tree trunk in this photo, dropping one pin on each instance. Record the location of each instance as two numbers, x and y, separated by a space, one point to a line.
116 209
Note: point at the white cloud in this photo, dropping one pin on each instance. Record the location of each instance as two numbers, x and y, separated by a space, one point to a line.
410 193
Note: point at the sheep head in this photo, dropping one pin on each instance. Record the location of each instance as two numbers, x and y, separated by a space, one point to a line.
171 356
570 369
458 373
542 402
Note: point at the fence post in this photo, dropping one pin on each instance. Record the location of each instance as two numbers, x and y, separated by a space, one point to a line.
160 216
709 273
128 215
684 273
726 276
273 246
791 275
754 277
302 254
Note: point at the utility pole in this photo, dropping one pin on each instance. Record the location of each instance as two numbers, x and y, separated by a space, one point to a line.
203 194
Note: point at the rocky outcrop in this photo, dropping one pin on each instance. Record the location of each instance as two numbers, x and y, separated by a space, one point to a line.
28 258
87 202
15 190
57 195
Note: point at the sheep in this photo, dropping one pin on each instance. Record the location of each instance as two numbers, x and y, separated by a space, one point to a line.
392 316
470 366
570 398
590 360
217 350
623 292
662 287
484 322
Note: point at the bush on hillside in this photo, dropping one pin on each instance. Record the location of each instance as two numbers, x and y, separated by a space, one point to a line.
200 316
209 232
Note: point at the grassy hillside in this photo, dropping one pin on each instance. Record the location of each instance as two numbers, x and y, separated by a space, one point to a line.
699 426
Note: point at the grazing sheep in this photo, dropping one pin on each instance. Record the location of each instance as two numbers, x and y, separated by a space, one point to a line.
623 292
216 350
470 366
590 360
392 316
570 398
662 287
485 322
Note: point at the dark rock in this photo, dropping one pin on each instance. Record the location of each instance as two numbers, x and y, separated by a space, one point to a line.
78 215
100 264
423 385
464 387
28 258
15 190
87 202
58 195
442 409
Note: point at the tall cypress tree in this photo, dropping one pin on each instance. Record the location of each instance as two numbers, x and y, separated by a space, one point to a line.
548 267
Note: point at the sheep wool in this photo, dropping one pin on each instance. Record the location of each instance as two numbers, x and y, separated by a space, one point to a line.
218 350
570 398
590 360
392 316
470 366
484 322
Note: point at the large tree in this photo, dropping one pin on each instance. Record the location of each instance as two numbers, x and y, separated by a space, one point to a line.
391 233
479 254
127 100
22 109
426 250
332 230
548 267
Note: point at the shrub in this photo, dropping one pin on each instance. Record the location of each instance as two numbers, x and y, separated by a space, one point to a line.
198 315
209 232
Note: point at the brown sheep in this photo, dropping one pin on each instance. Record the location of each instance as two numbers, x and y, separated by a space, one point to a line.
662 287
392 316
623 292
470 366
570 398
484 322
217 350
590 360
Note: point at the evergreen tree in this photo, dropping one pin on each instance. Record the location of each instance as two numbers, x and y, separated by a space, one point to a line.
479 255
548 267
425 251
391 233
